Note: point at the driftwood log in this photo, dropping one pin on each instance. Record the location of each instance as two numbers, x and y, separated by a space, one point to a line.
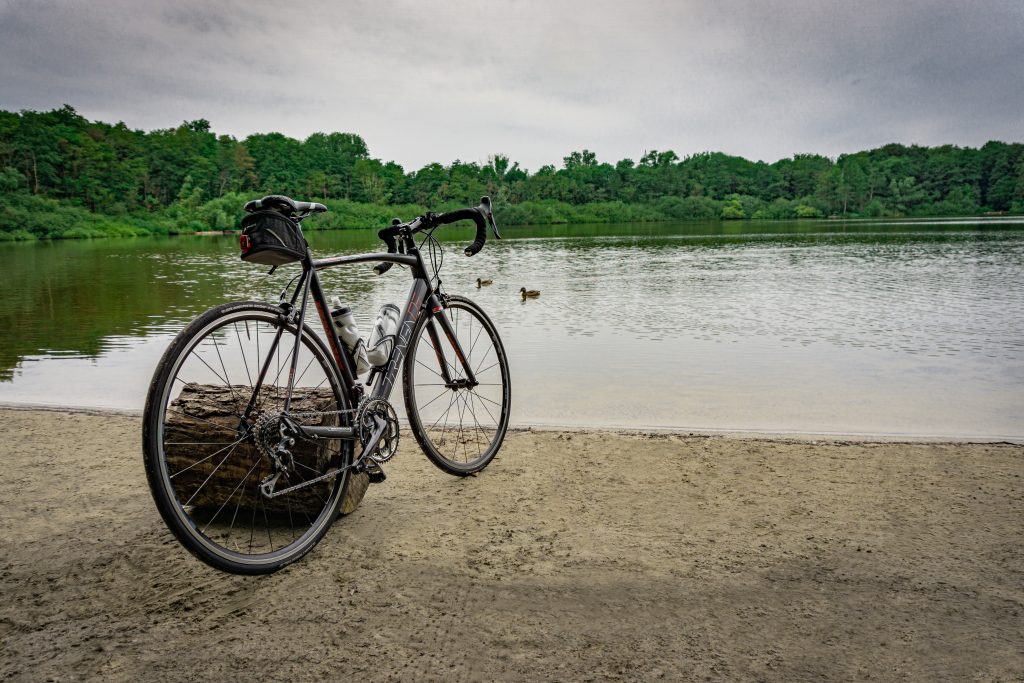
206 471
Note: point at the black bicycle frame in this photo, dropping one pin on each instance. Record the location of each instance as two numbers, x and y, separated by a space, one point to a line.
422 299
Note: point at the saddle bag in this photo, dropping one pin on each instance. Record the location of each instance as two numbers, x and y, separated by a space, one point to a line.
271 239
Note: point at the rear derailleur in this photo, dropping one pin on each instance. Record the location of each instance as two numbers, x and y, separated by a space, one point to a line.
274 436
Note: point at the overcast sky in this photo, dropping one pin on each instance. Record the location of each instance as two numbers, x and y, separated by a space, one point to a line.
437 81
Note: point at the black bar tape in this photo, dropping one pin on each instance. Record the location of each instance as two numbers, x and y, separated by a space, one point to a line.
388 235
476 217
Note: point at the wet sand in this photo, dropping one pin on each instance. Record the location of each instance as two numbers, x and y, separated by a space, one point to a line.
574 556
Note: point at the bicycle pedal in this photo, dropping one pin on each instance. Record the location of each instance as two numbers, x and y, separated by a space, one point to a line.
375 473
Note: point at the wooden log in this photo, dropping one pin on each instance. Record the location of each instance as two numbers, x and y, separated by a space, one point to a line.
207 471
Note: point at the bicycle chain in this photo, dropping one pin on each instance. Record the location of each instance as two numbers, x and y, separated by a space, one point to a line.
315 480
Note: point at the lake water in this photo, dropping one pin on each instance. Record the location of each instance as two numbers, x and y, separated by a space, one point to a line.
890 327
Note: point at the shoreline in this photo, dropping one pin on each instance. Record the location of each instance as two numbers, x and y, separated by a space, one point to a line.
13 237
782 435
574 555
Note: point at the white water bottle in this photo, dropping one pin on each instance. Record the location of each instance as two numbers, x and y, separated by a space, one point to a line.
345 324
382 337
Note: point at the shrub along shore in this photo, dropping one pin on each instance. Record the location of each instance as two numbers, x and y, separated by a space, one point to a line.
63 176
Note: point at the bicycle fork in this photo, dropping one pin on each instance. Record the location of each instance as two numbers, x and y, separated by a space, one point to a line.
437 313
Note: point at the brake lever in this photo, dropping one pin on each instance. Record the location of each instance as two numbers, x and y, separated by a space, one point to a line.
485 209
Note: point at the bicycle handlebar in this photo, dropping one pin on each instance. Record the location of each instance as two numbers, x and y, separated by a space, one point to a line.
482 215
463 214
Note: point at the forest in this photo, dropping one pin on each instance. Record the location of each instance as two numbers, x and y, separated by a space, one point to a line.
62 175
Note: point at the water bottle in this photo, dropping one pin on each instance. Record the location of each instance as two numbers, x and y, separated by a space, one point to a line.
345 324
382 337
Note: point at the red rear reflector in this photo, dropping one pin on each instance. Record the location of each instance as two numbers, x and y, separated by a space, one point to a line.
243 241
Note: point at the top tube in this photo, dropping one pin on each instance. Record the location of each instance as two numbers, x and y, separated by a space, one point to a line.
330 262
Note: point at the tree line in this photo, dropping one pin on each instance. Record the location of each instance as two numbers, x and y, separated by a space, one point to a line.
63 175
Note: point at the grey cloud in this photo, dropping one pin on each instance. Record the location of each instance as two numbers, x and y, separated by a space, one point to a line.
531 79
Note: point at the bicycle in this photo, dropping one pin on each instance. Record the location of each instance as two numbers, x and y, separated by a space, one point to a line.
248 471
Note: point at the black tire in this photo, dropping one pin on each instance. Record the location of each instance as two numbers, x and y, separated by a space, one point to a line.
474 418
191 525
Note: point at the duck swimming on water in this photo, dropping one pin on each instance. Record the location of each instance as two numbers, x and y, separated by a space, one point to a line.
483 283
529 293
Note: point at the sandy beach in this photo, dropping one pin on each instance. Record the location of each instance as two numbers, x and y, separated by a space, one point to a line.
574 556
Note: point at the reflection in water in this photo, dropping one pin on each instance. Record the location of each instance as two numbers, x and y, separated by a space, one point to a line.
903 327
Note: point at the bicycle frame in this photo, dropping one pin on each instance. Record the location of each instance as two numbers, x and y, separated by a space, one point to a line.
422 299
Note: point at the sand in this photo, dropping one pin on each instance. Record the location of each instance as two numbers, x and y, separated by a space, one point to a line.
574 556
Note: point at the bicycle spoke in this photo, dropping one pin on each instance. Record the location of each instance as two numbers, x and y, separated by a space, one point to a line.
450 404
428 368
304 370
252 523
480 372
443 392
210 476
238 503
462 414
214 372
438 354
241 351
476 424
235 443
232 495
444 429
270 537
489 400
196 417
469 354
482 359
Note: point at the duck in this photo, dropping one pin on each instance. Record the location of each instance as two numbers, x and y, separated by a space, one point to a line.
529 293
483 283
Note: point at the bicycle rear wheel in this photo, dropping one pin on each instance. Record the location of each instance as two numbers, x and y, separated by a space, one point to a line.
205 462
460 428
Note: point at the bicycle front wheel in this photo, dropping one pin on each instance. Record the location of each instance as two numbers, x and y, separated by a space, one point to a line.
459 427
206 457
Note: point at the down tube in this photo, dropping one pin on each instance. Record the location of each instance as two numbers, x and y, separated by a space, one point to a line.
410 314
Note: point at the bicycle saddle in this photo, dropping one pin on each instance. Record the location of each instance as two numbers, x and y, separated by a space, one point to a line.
286 205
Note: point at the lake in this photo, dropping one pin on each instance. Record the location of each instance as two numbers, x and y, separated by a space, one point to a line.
911 328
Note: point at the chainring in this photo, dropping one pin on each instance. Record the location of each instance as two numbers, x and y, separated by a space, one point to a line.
367 424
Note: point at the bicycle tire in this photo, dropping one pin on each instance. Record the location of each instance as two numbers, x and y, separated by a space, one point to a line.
472 402
175 514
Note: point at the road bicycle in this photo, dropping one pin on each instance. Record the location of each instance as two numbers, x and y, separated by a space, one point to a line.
249 441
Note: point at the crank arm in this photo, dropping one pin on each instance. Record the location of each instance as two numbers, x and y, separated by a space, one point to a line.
371 445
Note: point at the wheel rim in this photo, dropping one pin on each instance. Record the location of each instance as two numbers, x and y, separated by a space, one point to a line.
463 426
234 521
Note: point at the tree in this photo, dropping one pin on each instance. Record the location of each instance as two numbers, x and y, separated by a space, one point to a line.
11 180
